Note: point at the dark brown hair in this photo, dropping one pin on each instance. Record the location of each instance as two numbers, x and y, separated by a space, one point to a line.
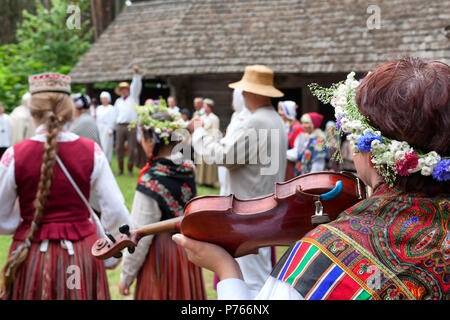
409 100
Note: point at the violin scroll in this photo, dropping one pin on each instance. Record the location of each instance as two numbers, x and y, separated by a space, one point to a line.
111 246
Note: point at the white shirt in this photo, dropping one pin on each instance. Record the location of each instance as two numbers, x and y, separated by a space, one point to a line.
103 185
273 289
5 131
124 108
106 117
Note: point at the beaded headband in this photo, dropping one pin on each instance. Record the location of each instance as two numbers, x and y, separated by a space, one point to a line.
390 157
49 82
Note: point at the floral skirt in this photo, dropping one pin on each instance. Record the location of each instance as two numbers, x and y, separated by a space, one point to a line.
167 274
58 275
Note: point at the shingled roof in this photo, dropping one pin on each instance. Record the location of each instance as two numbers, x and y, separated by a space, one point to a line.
183 37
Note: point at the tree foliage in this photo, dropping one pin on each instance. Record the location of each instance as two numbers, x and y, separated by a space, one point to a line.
45 44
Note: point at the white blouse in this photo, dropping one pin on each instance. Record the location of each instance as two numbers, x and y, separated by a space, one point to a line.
273 289
106 117
103 185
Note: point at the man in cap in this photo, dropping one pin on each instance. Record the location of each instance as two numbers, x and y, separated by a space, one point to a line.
242 152
125 114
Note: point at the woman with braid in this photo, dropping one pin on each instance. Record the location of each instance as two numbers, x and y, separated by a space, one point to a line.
53 233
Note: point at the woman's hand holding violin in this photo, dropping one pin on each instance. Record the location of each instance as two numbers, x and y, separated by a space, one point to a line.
209 256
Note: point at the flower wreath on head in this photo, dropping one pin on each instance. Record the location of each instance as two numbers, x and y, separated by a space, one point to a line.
162 129
390 157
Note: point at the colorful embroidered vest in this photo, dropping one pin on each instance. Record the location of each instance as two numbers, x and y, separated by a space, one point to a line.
393 245
65 216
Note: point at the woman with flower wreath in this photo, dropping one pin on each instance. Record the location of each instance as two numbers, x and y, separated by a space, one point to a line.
160 267
396 243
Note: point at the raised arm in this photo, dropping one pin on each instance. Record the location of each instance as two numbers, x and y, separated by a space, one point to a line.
136 85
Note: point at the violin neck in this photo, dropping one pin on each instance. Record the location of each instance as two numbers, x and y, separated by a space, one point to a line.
170 225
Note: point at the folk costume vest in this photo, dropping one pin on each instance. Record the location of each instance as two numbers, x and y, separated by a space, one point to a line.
392 245
65 217
171 185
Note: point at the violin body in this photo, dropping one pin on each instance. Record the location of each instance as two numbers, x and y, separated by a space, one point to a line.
243 226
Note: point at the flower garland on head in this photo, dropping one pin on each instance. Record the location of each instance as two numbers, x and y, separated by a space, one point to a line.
162 129
390 157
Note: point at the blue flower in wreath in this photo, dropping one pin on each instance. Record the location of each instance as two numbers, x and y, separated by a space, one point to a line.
365 141
442 170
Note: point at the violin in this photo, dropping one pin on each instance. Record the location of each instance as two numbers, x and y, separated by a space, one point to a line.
243 226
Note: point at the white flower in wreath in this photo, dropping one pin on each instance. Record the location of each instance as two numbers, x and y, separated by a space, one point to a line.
164 135
395 146
387 158
376 145
158 131
338 112
426 171
357 127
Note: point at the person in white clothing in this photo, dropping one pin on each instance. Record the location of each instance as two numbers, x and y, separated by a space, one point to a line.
21 121
250 175
172 104
207 170
106 124
5 130
125 114
198 107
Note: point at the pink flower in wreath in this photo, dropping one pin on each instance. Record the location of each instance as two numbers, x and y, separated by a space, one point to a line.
410 162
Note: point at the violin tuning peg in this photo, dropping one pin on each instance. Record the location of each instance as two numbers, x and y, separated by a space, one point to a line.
125 229
118 255
110 237
131 249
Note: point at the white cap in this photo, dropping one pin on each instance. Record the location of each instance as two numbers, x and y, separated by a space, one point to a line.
290 109
26 97
105 94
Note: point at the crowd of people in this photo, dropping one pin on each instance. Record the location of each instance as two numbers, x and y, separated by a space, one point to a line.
57 150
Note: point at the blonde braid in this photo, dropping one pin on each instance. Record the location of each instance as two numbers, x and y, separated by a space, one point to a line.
9 271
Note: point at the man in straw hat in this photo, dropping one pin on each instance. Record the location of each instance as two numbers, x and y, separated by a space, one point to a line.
241 151
125 114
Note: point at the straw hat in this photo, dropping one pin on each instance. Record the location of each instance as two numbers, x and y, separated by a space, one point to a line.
121 86
258 79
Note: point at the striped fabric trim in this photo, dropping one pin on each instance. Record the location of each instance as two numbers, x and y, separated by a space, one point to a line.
315 276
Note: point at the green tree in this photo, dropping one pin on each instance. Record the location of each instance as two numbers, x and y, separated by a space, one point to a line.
45 43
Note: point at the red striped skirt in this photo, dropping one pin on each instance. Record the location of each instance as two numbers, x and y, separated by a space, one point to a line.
56 275
167 274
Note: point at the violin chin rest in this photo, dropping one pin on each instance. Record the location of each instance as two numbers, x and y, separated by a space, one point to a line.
319 219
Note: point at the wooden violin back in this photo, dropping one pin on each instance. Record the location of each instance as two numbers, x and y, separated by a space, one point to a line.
243 226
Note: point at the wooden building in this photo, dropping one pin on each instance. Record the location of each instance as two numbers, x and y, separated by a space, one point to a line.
197 47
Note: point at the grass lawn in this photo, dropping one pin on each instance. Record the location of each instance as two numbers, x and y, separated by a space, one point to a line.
127 185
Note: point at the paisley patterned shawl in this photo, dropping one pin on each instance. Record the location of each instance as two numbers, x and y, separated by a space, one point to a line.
392 245
171 185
